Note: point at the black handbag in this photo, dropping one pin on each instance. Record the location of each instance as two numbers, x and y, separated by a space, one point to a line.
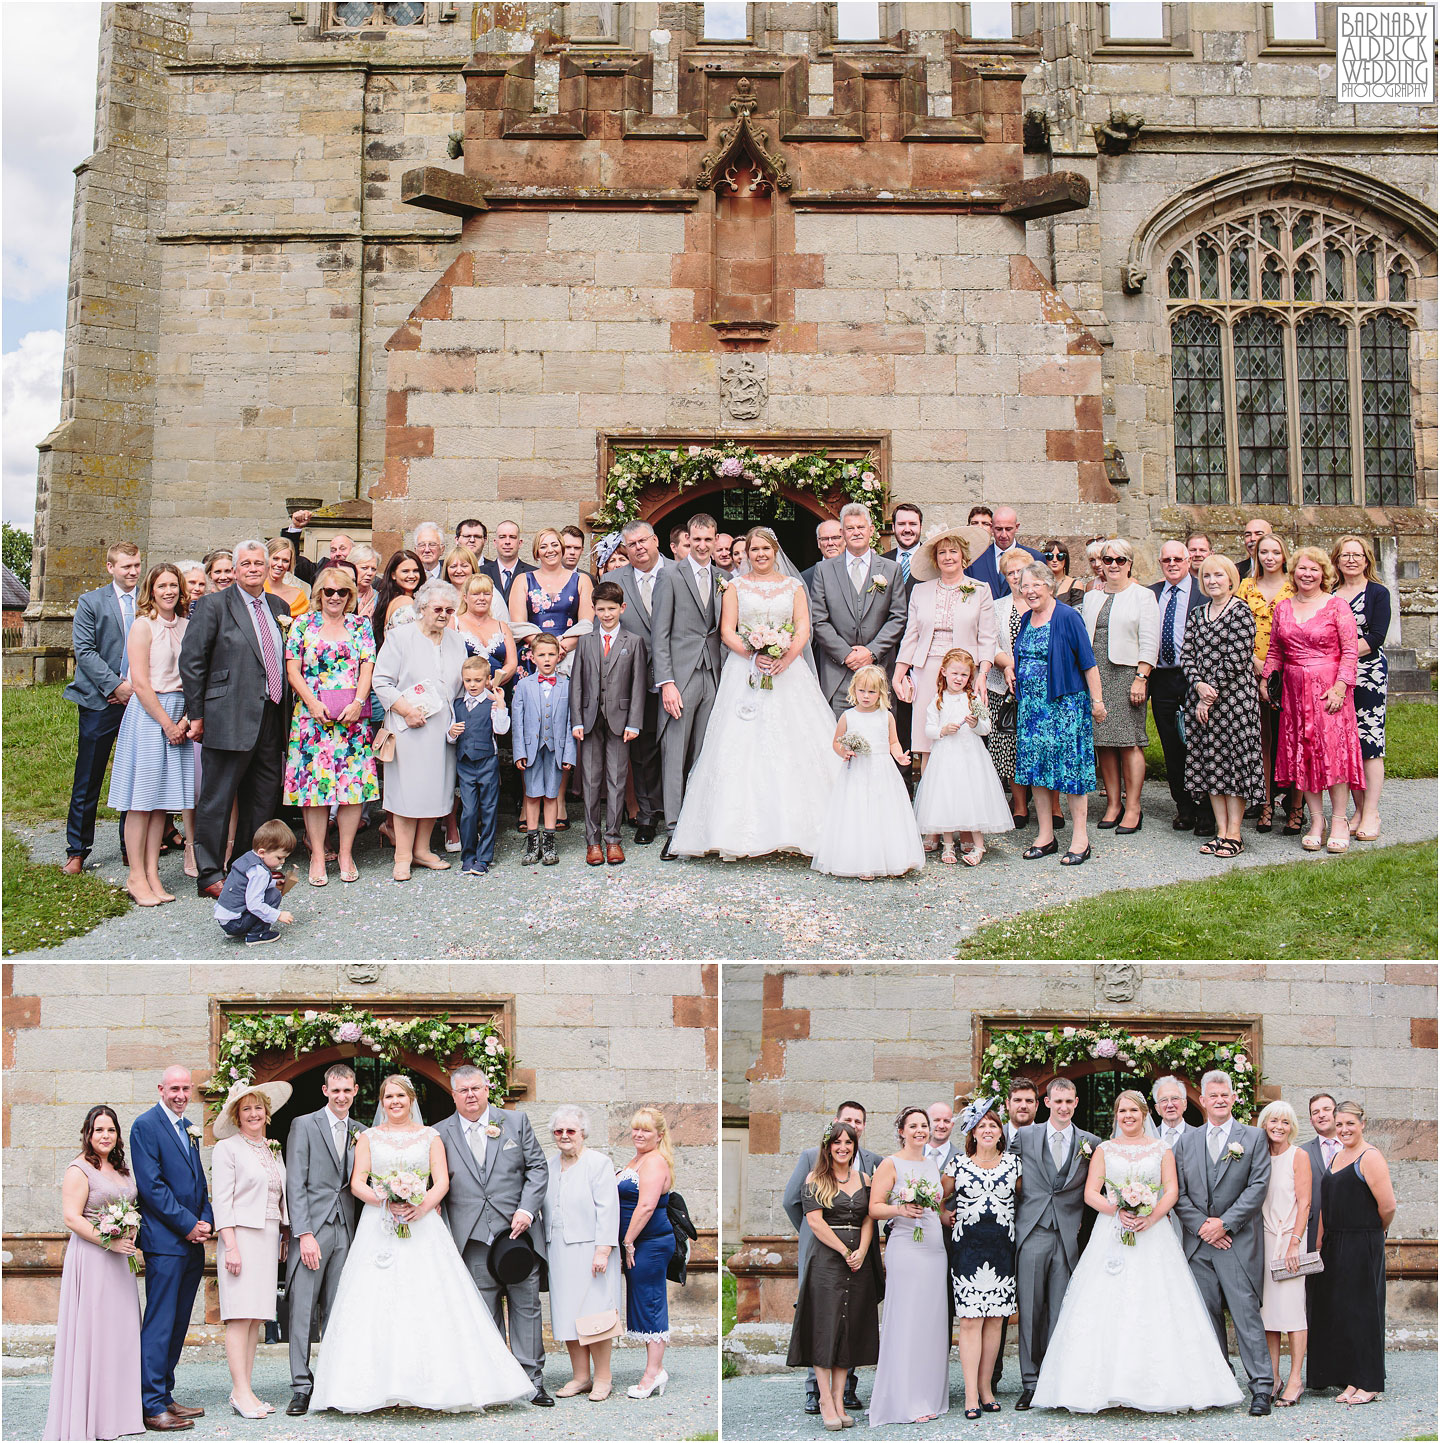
1004 713
1274 686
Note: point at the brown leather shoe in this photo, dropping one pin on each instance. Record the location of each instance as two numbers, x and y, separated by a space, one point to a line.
183 1410
167 1422
73 866
595 856
213 890
614 854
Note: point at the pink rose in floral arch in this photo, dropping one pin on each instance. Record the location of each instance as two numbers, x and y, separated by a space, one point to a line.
348 1032
731 466
1106 1047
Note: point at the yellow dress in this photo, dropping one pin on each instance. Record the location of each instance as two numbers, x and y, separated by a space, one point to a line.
1264 611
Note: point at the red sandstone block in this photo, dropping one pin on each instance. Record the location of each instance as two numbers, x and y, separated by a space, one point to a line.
1085 344
770 1064
394 481
805 272
710 979
772 992
690 272
692 336
409 441
1074 446
1024 276
695 1011
22 1012
764 1134
1072 376
397 403
407 338
434 304
1088 413
1422 1032
1094 484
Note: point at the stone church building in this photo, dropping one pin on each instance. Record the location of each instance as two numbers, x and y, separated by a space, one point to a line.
799 1040
610 1038
1127 268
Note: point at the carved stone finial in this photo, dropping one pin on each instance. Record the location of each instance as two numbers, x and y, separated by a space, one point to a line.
362 973
719 166
745 99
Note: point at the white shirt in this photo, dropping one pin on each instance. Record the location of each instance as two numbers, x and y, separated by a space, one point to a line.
475 1135
607 639
858 568
1182 609
1171 1135
1065 1136
258 618
937 1150
645 584
122 597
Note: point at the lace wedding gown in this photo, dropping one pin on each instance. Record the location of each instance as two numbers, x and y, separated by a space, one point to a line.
764 774
1133 1331
408 1328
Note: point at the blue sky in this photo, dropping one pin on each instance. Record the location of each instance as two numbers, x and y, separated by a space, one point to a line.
47 108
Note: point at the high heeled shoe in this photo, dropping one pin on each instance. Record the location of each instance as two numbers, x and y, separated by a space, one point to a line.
243 1413
656 1387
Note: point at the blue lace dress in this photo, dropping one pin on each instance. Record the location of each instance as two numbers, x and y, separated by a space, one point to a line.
1054 743
647 1308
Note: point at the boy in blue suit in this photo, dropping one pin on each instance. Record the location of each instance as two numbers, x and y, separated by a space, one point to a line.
544 747
480 716
175 1223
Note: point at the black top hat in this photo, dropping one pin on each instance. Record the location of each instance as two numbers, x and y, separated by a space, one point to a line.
512 1260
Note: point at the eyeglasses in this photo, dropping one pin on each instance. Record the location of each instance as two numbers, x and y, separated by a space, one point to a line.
443 610
1115 560
565 1131
334 591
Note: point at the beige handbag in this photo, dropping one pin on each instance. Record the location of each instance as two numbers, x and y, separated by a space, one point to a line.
383 747
597 1327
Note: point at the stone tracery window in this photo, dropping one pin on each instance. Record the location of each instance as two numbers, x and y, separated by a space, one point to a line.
376 14
1278 401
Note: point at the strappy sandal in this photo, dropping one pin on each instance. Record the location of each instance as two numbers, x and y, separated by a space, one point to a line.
1265 822
1227 847
1210 848
972 857
947 855
1311 844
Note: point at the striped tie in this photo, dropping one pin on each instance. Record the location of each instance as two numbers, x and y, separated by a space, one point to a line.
267 649
905 567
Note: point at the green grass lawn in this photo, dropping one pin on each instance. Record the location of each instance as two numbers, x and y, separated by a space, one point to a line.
42 906
40 734
1377 902
729 1300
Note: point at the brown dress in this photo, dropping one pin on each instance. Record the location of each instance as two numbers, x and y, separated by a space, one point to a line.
837 1319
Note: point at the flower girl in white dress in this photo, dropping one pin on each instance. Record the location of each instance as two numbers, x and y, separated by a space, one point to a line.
959 790
869 829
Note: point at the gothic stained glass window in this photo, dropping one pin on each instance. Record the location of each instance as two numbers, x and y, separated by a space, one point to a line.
1322 353
1386 433
1399 283
1240 273
1365 275
1195 372
1304 282
1208 268
1262 435
353 13
1272 284
1334 274
1179 274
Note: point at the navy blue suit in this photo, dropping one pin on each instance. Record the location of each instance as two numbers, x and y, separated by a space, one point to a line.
477 767
986 568
170 1178
1167 695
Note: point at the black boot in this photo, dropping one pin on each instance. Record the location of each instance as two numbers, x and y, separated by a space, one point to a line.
548 855
532 849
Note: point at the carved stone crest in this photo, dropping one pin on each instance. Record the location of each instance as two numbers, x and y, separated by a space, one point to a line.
362 973
744 387
1119 981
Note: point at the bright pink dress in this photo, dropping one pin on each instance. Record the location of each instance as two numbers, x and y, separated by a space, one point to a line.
1318 750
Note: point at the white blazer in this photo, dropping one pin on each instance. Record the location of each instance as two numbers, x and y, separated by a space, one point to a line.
1134 623
585 1206
239 1186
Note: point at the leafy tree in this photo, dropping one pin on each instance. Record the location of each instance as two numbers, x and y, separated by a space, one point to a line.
18 548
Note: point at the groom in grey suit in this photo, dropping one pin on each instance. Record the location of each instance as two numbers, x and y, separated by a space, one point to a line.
319 1158
1055 1159
685 630
498 1178
857 609
1224 1172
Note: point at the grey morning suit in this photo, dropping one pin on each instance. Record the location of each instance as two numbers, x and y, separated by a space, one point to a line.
317 1191
482 1200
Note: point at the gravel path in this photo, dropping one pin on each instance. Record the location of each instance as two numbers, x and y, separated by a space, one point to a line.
773 907
688 1408
769 1407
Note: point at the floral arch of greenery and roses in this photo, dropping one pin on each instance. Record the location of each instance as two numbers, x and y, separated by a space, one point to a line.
1051 1049
682 467
248 1034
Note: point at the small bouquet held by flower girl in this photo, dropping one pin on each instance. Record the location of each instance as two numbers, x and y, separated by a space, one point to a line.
1133 1197
773 641
401 1187
119 1221
856 745
920 1192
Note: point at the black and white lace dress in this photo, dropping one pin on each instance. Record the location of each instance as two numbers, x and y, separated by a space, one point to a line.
982 1260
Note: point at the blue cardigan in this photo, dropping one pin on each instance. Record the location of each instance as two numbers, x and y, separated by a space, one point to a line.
1071 655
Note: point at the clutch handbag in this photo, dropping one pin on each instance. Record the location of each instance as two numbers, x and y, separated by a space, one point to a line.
597 1327
1304 1263
383 747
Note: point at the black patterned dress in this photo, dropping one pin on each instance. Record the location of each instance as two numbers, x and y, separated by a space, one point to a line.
1223 756
982 1252
1372 622
1001 741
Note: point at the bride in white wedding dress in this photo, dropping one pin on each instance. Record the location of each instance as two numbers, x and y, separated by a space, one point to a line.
1133 1331
408 1328
766 769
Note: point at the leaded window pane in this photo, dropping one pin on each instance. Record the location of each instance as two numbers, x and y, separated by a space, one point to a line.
1240 273
1272 284
1179 279
1195 373
1304 283
1262 432
1208 268
354 13
1270 231
1399 283
1300 231
1365 276
1334 274
1386 432
1322 352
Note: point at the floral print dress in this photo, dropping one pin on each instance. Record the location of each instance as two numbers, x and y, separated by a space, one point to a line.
326 762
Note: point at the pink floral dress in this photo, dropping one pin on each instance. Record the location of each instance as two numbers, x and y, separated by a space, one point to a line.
326 762
1318 750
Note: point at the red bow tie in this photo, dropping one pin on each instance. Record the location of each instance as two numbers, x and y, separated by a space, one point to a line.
548 680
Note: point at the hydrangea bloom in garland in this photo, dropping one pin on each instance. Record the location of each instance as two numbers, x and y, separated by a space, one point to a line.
248 1034
1049 1049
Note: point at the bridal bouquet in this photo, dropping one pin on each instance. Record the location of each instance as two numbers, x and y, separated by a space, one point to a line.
1137 1198
769 641
401 1187
119 1221
919 1191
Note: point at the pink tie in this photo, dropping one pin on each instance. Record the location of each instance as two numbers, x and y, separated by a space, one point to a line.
267 650
607 642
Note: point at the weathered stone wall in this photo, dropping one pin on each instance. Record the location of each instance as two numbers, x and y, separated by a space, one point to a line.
609 1038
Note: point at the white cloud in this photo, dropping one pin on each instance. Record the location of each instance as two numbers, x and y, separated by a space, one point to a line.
49 55
31 408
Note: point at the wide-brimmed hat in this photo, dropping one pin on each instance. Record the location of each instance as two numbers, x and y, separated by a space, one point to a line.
971 539
277 1094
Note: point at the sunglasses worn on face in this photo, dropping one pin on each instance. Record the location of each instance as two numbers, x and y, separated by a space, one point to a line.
334 591
1057 556
565 1131
1114 560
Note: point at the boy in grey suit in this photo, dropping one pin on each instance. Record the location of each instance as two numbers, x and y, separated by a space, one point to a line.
498 1179
1055 1159
1223 1170
320 1157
